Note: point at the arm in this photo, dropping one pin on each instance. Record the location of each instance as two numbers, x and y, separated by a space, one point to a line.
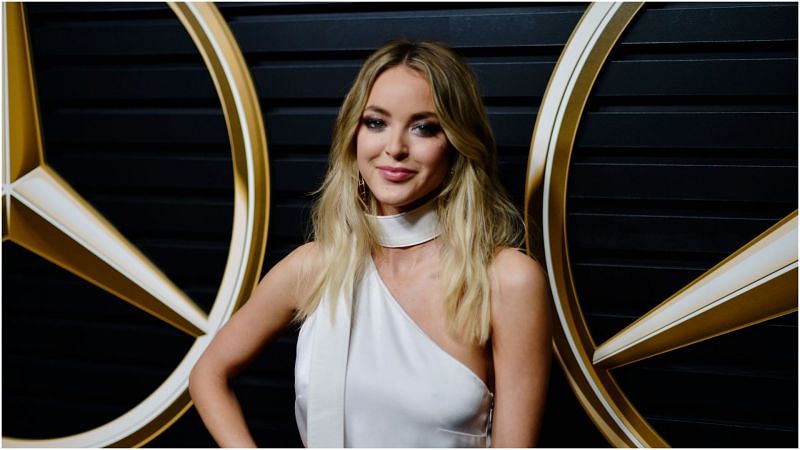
520 348
262 318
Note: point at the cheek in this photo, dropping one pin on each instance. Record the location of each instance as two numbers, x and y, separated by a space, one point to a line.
359 145
367 145
436 159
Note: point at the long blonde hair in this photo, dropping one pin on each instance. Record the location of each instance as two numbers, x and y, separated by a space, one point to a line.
475 213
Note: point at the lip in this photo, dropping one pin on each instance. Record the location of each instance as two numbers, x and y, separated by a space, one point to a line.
395 174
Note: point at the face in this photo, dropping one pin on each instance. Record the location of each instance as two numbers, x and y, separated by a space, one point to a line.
400 147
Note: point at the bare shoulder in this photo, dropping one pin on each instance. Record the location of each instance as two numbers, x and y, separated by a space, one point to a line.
520 296
307 250
304 260
516 277
292 275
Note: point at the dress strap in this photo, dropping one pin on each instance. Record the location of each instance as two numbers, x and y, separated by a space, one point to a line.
328 370
329 355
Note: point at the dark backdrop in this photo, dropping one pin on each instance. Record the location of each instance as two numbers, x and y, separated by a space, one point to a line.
688 149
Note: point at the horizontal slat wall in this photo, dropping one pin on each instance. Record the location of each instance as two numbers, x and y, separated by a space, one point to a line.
688 150
131 119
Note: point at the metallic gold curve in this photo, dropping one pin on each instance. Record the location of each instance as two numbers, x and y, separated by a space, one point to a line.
22 129
251 217
545 198
756 283
248 140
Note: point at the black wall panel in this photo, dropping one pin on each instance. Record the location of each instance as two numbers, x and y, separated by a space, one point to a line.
687 150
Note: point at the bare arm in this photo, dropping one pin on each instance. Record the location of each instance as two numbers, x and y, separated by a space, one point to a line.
520 348
262 318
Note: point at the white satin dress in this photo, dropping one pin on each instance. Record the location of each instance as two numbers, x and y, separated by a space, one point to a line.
400 388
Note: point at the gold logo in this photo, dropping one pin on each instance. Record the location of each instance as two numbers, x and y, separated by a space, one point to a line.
756 283
43 214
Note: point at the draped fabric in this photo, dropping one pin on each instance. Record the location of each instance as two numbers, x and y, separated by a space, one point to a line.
373 378
400 388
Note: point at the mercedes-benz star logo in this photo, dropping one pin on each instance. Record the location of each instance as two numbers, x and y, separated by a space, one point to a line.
756 283
43 214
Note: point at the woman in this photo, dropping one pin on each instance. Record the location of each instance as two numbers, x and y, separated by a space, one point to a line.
423 326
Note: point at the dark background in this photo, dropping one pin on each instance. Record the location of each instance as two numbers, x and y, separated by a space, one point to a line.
687 150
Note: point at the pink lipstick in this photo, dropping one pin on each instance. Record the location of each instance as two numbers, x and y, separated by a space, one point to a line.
395 174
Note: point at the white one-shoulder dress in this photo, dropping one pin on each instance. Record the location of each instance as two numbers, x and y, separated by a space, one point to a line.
400 388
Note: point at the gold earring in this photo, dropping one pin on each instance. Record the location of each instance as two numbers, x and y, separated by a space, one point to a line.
362 188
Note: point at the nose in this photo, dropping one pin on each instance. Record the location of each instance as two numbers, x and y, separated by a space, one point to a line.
397 147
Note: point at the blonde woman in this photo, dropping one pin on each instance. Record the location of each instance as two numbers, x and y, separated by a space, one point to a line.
422 324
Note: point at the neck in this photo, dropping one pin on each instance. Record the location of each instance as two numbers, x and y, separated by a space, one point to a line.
402 261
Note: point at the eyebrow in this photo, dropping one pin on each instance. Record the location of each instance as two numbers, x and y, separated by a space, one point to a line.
415 116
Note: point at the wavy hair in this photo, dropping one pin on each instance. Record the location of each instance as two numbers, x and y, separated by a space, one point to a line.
476 216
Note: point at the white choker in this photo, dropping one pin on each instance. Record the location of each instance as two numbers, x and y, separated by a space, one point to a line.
409 228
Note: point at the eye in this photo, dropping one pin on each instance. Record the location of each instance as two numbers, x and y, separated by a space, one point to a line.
428 129
373 123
